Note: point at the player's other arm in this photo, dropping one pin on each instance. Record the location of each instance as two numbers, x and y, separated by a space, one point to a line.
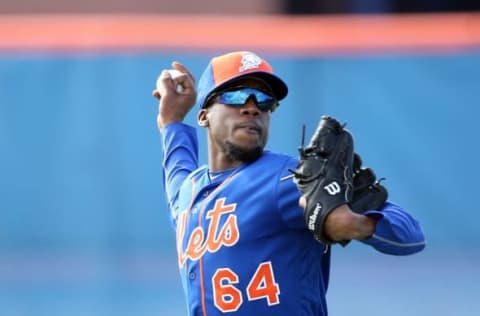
391 230
343 224
396 231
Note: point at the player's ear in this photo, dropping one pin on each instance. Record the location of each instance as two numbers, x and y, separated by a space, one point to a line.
202 118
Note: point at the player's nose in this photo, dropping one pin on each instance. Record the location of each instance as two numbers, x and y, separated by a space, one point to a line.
250 107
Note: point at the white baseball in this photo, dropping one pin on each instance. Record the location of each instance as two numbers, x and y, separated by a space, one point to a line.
174 73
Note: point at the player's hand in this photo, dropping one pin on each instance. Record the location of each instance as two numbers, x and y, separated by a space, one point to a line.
174 105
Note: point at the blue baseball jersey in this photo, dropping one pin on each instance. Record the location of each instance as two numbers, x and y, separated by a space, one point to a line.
242 245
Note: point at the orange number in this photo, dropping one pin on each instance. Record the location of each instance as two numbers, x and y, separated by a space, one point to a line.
226 297
262 285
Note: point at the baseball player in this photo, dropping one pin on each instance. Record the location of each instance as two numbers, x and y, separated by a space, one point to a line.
245 246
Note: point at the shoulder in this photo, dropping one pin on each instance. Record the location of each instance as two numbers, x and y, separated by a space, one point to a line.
177 127
279 162
199 172
280 158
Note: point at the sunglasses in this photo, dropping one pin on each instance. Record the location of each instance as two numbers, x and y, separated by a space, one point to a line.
240 95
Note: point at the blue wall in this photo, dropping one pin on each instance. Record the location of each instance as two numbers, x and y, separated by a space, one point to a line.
83 224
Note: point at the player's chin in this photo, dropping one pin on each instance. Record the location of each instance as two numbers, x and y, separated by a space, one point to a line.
250 143
244 152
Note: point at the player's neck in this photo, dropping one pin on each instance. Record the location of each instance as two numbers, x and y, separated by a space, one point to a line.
219 160
222 162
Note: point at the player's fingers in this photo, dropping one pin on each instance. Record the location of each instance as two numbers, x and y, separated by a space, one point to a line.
182 68
156 94
302 202
164 82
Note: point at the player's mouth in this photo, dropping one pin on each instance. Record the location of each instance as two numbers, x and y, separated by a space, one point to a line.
250 127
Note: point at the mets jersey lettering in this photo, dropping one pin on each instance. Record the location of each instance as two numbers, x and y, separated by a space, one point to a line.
216 236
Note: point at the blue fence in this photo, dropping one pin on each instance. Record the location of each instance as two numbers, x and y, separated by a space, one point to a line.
83 224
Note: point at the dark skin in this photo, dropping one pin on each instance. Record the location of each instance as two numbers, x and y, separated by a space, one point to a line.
245 127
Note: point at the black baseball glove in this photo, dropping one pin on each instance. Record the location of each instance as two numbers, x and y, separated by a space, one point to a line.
368 192
324 174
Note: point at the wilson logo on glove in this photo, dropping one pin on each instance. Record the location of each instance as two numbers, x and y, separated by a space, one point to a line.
333 188
313 218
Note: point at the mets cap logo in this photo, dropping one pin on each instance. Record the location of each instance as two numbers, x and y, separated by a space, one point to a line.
249 61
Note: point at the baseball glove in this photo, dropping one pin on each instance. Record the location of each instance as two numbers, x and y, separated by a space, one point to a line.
368 193
324 174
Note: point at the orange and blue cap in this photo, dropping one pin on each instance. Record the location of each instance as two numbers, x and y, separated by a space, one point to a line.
226 69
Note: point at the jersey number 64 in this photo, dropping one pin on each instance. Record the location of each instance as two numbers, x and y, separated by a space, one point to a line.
262 285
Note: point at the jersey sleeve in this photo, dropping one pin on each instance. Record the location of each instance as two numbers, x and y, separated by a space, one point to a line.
180 157
397 232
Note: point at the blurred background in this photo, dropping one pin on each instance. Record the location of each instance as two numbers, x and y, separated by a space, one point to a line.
83 221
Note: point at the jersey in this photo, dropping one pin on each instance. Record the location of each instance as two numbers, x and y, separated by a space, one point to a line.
242 244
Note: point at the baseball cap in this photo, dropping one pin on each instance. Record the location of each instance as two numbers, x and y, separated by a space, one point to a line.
225 69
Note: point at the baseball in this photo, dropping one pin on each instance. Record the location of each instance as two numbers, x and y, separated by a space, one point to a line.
174 73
